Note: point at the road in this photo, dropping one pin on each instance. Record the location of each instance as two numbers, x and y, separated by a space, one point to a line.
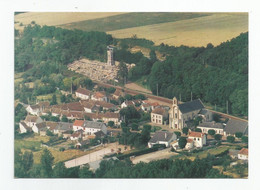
158 155
94 156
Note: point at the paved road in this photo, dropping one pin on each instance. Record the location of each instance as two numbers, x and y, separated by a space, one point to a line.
94 156
158 155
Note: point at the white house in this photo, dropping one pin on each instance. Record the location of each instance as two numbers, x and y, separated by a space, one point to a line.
76 135
162 137
127 103
243 154
83 93
159 115
78 125
24 128
99 96
197 139
92 127
111 116
37 109
62 127
32 120
217 127
39 127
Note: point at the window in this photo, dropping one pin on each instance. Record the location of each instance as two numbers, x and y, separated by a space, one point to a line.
195 139
176 115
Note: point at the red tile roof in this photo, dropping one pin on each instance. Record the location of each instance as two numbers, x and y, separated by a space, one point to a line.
160 111
243 151
196 134
75 106
155 104
83 91
99 95
189 140
78 123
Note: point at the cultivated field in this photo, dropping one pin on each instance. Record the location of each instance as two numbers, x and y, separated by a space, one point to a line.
57 18
215 29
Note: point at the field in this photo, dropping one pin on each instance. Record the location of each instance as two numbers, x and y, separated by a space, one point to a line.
215 29
191 29
55 18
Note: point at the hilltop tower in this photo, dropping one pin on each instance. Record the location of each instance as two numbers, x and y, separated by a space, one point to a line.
110 58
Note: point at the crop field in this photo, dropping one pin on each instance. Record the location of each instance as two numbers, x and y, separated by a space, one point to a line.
57 18
215 29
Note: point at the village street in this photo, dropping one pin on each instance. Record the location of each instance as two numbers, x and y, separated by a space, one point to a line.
95 156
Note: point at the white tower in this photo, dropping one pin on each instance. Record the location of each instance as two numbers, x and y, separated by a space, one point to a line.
110 59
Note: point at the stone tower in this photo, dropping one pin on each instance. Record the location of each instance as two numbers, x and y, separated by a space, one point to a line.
110 58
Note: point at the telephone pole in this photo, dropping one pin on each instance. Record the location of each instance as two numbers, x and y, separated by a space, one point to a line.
157 89
191 96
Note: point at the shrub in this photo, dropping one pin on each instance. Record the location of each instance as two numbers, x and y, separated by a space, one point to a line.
185 130
61 149
230 139
245 139
182 142
177 133
218 137
211 132
238 134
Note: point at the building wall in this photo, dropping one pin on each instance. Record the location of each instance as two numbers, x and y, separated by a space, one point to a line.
22 128
242 157
76 128
205 130
82 96
156 118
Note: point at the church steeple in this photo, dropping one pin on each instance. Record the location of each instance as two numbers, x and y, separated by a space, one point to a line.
174 102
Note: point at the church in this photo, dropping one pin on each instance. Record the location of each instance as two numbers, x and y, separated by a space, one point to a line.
179 114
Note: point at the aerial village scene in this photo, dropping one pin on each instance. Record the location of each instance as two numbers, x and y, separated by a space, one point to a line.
100 95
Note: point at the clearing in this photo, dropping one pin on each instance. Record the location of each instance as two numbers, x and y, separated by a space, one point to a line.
137 87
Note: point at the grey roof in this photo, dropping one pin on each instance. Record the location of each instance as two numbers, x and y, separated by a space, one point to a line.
204 111
234 126
160 136
64 126
100 134
93 124
191 106
31 118
212 125
41 126
25 126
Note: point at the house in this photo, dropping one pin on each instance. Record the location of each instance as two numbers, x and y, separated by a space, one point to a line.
99 96
162 137
37 109
111 116
62 127
66 134
146 107
118 93
197 139
51 125
217 127
81 143
127 103
78 125
99 134
180 113
39 127
233 153
76 135
32 120
243 154
234 126
24 128
105 105
83 93
92 127
75 107
89 107
159 116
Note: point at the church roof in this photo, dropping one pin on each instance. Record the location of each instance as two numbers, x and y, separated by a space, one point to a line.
191 106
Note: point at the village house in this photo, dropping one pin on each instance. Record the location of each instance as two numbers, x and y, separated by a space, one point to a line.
217 127
159 116
127 103
62 127
40 127
82 143
234 126
118 93
146 107
243 154
162 137
179 114
37 108
111 116
78 125
99 96
89 106
83 93
196 139
105 105
76 135
32 120
92 127
233 153
23 128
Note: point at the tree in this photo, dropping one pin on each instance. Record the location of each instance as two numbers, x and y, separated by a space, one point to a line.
238 134
216 117
49 133
122 74
230 139
140 96
218 137
145 134
245 139
198 130
177 133
153 57
23 163
185 130
182 142
63 98
46 163
53 100
134 126
59 170
211 132
84 172
111 123
64 118
129 113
